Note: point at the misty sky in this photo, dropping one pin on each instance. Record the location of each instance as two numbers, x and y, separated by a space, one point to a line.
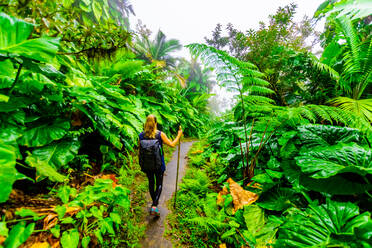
190 20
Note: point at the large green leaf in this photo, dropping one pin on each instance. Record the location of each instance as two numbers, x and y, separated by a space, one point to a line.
329 224
70 239
324 162
325 135
341 184
259 231
13 40
7 170
278 199
254 218
15 103
19 234
44 134
354 9
48 159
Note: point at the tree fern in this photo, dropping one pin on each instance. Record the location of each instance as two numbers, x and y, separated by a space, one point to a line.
231 72
293 116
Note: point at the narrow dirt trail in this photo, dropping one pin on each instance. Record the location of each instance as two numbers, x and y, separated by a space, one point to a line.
155 225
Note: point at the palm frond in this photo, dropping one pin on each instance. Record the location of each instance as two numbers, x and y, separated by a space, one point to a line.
362 108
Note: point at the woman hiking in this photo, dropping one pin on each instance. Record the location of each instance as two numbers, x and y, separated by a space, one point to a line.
151 158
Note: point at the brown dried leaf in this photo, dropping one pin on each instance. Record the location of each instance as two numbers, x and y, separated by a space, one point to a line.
2 240
50 221
72 210
240 196
113 178
220 199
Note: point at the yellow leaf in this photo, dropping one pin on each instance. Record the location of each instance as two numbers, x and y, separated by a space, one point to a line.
40 245
240 196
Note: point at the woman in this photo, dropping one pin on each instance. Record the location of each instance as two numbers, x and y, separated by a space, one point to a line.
155 177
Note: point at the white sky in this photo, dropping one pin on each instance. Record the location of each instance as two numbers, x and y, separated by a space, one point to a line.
191 20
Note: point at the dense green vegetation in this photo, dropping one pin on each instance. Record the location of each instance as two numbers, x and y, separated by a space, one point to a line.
298 141
288 166
74 94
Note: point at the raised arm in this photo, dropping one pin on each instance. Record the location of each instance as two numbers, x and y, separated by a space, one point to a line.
170 143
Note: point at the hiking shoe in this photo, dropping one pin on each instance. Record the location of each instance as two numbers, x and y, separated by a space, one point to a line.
156 211
152 210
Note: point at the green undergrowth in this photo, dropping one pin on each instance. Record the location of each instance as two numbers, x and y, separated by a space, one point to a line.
134 228
103 211
195 192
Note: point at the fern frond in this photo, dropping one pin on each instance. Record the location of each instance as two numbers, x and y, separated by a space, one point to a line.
324 67
231 72
353 57
259 90
209 224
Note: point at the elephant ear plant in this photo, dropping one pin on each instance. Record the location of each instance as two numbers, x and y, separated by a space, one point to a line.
17 52
334 224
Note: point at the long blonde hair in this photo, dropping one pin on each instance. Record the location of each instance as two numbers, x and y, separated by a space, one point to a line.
150 127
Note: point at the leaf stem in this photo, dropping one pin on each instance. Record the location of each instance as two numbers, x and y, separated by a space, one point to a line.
16 220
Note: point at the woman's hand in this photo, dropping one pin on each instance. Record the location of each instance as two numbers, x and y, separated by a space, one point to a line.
180 131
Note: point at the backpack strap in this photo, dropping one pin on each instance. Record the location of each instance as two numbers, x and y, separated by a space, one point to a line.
158 135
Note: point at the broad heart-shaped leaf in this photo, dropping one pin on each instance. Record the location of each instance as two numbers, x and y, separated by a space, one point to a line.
19 234
325 135
13 40
13 30
44 134
324 162
277 199
48 159
259 231
254 218
7 170
340 184
70 239
329 224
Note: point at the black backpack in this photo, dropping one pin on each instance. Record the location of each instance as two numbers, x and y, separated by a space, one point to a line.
150 154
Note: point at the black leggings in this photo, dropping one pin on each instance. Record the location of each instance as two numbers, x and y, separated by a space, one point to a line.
155 190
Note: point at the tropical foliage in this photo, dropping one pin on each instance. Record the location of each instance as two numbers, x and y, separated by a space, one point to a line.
71 109
303 166
289 165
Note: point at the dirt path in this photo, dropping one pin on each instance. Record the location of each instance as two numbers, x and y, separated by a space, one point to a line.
155 226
